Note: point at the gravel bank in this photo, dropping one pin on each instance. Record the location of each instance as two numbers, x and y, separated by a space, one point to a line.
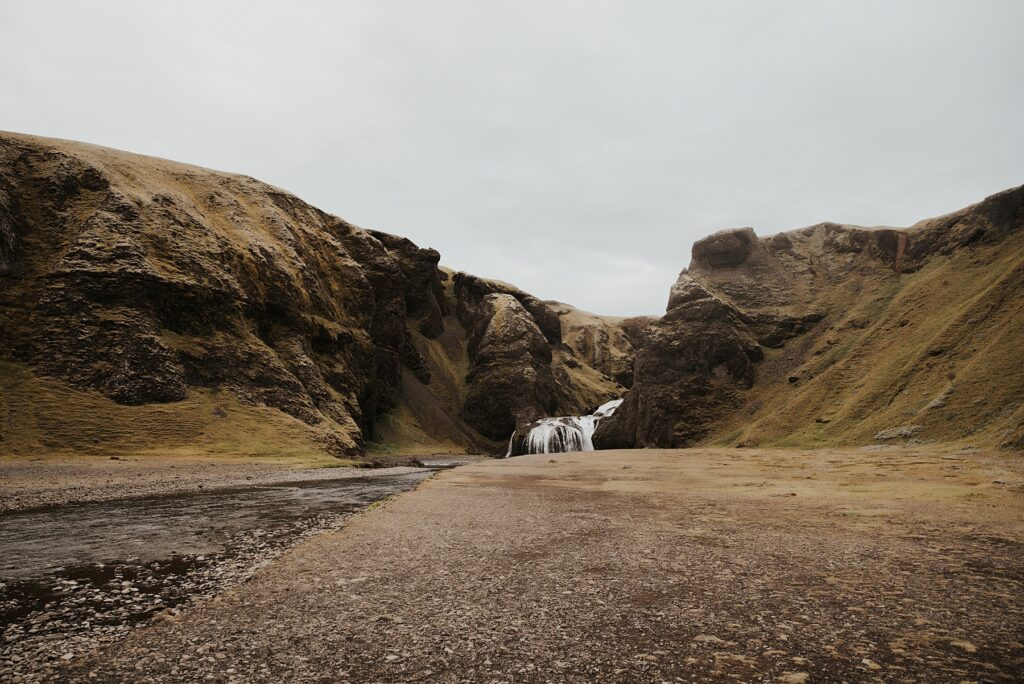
645 566
32 483
53 618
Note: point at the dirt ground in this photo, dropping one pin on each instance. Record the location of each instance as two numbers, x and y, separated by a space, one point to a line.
635 566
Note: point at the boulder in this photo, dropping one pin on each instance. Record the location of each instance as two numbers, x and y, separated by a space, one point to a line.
726 248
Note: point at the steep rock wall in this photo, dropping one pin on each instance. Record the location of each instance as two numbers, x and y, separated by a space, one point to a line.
154 282
867 335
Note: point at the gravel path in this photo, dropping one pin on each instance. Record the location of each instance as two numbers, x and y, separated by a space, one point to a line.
633 567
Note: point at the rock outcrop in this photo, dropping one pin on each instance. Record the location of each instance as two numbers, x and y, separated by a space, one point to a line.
605 343
510 380
150 281
860 330
563 382
424 296
690 364
471 290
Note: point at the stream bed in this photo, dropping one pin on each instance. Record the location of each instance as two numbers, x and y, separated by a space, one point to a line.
77 576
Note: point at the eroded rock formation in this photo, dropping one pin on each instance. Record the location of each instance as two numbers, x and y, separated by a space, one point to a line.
690 364
148 280
861 329
141 278
510 379
605 343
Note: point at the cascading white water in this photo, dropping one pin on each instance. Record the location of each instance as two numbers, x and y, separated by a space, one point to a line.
563 434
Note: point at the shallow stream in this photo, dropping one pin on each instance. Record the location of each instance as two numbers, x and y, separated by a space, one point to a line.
75 577
46 540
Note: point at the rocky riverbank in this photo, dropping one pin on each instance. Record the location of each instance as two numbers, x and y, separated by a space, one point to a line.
27 483
77 577
640 566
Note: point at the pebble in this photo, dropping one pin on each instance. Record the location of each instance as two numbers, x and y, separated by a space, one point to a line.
83 616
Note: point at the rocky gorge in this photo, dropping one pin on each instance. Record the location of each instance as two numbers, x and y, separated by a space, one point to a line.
197 367
150 283
153 306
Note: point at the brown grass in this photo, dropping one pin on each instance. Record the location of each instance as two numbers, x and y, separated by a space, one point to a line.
940 352
44 417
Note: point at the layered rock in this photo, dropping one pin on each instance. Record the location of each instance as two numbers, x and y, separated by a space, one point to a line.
825 305
142 278
510 381
688 369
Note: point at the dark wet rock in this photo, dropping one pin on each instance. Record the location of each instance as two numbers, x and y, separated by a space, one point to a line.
424 296
520 370
689 368
142 278
470 291
510 381
387 319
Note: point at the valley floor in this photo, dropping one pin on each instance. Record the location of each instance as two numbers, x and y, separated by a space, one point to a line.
698 565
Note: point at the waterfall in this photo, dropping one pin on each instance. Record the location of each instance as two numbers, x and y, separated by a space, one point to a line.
559 435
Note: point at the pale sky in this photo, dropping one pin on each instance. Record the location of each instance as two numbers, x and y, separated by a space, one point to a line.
576 149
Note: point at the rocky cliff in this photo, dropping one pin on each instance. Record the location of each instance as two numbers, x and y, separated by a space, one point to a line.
836 334
128 281
147 305
522 365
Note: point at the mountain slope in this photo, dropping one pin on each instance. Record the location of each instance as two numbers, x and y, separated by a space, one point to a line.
129 282
833 335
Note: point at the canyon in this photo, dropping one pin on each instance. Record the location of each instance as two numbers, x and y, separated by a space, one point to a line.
149 306
806 469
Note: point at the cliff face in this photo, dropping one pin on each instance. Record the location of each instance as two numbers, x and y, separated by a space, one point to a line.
523 365
147 304
605 343
835 334
141 279
149 282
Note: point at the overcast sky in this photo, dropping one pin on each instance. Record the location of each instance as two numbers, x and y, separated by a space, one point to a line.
576 149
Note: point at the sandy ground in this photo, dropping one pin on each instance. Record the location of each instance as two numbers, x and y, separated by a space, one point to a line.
33 482
700 565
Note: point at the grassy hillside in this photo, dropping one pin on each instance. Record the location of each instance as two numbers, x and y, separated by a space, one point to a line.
43 417
931 356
